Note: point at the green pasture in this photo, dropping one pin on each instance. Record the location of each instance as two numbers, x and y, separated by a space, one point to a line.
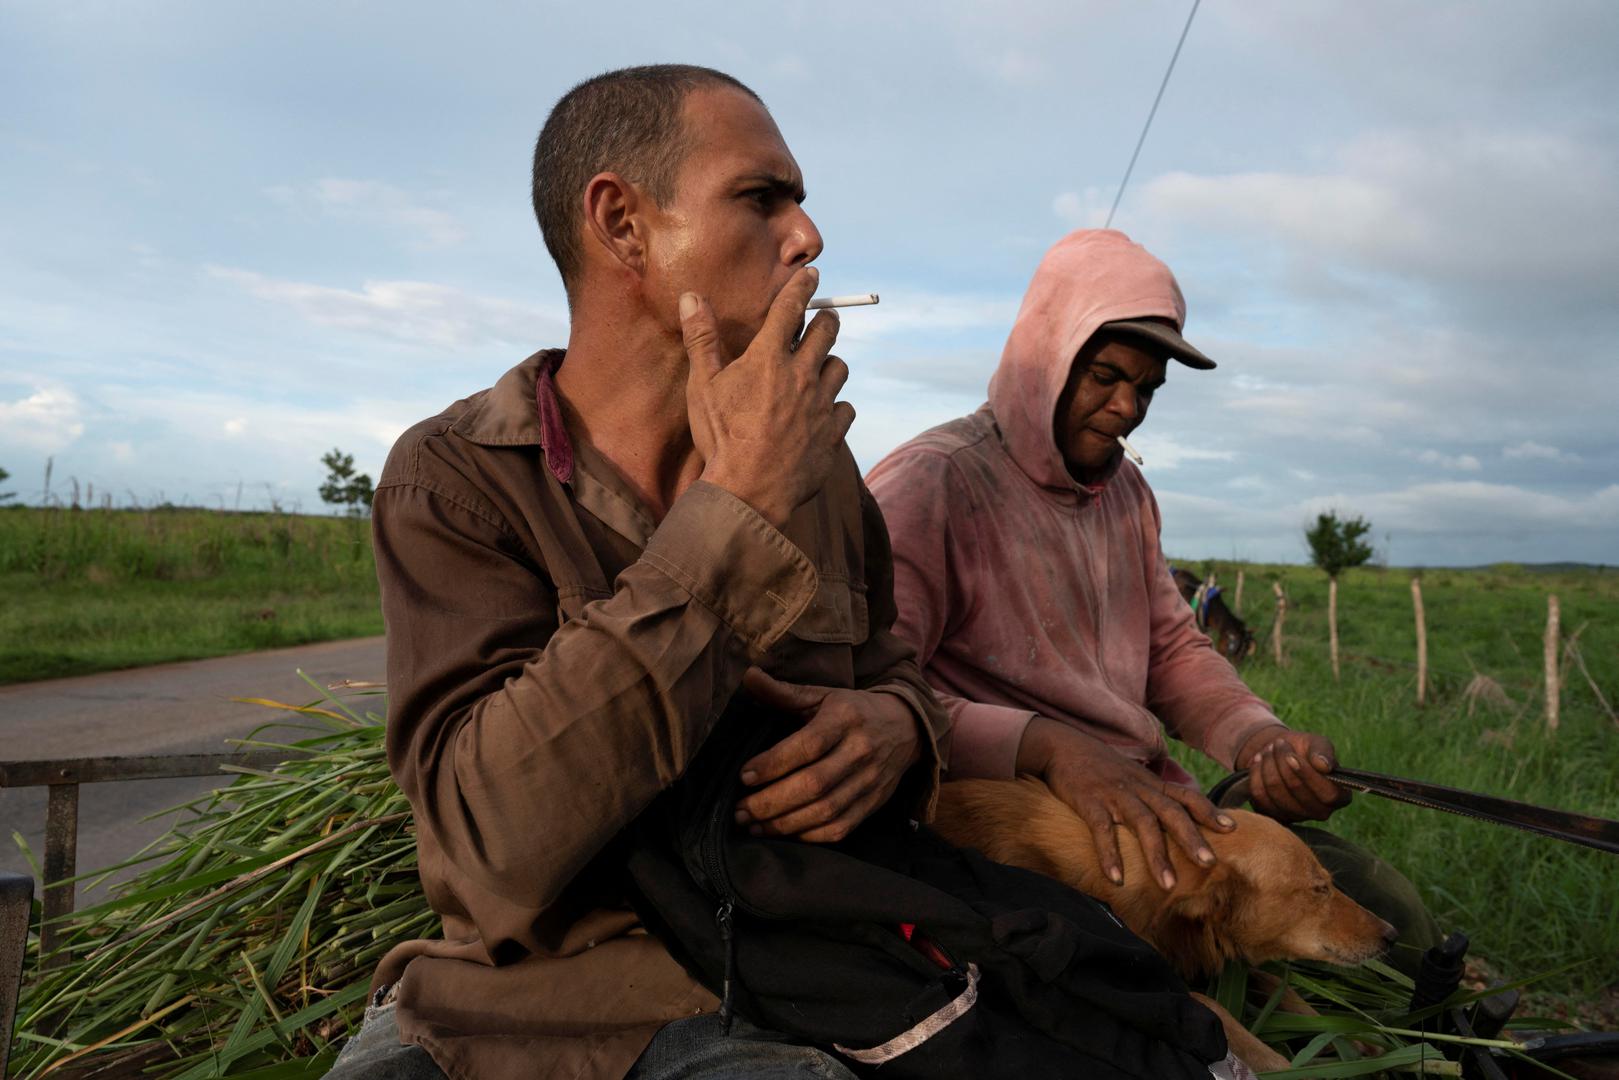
1530 905
92 590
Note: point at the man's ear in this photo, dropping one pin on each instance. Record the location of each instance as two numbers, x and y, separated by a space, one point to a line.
614 221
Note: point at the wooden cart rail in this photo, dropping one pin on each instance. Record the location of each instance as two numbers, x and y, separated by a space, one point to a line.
63 777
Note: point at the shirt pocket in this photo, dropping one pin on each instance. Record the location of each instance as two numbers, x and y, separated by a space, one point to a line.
837 614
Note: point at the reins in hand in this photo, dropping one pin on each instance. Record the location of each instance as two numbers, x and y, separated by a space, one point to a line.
1582 829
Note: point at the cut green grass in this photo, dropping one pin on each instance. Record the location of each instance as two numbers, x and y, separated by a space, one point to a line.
245 947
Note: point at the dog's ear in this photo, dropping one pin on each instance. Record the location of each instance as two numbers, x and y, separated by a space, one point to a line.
1214 900
1197 935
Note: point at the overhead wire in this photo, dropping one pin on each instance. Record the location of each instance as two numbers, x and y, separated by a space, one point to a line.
1152 113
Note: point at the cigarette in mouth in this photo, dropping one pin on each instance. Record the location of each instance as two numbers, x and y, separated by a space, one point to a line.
841 301
1128 449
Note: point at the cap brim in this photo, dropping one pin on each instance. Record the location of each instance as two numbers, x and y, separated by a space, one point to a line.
1162 335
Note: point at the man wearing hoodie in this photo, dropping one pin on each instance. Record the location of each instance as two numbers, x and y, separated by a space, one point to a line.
1030 577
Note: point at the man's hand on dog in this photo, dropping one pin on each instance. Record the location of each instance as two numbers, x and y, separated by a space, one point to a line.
1287 772
825 778
1105 789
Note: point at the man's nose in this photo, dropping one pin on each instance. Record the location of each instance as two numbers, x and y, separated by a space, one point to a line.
1125 402
802 244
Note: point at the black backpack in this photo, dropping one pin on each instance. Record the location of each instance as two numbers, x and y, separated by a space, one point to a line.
905 955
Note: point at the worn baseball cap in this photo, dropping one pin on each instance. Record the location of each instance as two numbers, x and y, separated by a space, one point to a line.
1162 335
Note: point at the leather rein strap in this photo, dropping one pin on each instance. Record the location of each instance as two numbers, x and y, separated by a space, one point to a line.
1580 829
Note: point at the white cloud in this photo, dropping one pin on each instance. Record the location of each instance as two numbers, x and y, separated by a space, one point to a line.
1498 215
1447 523
374 202
1018 67
1468 506
1460 462
1085 209
1163 452
912 312
287 438
122 451
792 67
45 421
417 313
961 372
1322 212
1533 451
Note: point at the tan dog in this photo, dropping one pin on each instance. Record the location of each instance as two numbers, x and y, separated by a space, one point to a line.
1266 897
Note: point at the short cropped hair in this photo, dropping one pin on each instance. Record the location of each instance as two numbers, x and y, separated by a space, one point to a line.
626 121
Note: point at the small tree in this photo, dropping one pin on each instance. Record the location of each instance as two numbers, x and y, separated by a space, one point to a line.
1335 546
344 487
6 496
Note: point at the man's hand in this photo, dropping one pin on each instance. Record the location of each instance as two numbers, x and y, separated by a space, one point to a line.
767 423
1105 789
826 777
1288 771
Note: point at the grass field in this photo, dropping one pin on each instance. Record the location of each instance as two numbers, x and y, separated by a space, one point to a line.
1530 905
93 590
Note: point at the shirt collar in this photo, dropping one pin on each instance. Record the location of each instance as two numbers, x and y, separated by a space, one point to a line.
522 409
554 439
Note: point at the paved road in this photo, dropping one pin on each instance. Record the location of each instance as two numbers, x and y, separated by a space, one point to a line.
171 708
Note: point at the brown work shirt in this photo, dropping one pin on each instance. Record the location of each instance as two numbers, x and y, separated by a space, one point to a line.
555 659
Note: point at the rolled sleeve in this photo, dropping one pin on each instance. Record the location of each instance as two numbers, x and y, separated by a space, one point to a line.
733 562
501 715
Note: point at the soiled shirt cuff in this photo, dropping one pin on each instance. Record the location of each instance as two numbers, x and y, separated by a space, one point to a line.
733 562
1227 737
929 769
984 740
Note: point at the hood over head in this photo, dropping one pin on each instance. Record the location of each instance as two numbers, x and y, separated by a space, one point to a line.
1089 277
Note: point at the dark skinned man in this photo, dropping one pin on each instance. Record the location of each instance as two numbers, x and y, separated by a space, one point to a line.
1029 575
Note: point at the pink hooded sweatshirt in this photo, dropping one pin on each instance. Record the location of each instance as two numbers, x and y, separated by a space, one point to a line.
1026 593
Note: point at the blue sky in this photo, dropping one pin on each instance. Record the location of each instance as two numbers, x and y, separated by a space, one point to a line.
233 236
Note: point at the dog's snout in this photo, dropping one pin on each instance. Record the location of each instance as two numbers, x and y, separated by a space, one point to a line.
1390 935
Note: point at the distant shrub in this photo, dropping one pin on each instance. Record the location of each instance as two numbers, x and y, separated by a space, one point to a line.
344 487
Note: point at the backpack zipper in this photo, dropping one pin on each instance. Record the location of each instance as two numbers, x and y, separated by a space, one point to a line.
723 918
719 882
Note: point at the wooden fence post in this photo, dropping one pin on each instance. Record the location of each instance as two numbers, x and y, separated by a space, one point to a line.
1281 616
1332 622
1553 679
1236 604
1422 643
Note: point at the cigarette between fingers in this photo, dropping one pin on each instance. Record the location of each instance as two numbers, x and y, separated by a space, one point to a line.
1128 449
841 301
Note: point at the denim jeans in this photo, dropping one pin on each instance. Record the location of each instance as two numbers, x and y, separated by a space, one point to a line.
694 1049
375 1053
690 1049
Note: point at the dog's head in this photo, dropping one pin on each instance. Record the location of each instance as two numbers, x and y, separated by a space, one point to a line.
1268 898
